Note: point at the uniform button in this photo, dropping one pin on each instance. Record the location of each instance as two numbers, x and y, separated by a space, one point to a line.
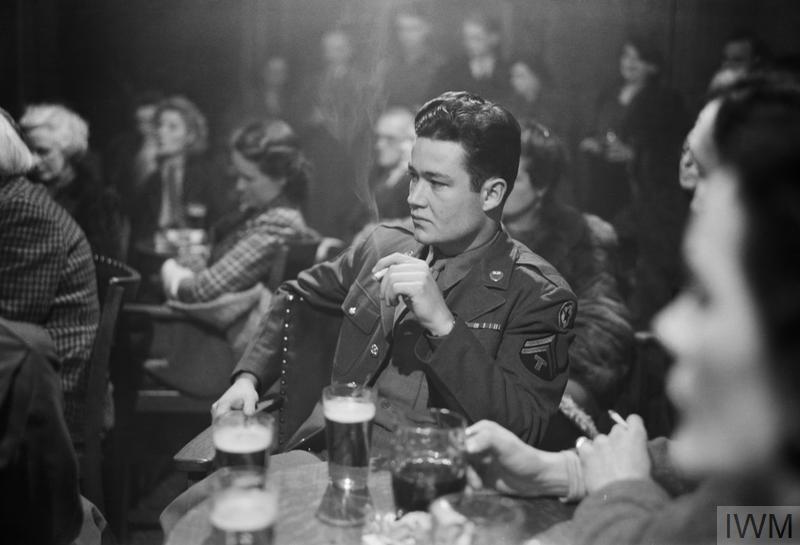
373 350
385 404
351 311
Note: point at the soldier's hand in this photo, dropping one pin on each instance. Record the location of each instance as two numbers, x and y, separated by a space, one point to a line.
410 278
242 395
507 464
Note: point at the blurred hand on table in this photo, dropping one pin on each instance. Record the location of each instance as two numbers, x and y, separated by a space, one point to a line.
242 395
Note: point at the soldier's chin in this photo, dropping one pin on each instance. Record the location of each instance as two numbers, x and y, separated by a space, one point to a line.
421 234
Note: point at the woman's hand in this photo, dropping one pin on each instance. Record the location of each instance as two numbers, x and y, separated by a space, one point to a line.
505 463
172 274
621 455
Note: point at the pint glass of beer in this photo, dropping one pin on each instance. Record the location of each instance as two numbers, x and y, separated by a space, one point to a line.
429 459
349 411
244 506
241 440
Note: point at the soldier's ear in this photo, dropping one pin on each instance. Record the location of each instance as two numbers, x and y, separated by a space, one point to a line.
492 192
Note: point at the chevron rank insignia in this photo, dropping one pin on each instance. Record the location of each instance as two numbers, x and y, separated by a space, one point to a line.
538 357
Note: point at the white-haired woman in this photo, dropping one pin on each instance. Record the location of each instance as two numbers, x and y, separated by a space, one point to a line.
59 139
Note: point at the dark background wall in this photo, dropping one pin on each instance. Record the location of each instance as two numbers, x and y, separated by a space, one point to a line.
96 54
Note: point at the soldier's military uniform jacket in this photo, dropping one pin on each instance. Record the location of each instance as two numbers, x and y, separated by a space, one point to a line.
504 360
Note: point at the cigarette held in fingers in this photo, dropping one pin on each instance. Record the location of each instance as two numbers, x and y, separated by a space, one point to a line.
380 274
618 419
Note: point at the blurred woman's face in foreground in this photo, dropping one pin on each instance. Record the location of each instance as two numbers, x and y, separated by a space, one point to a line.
730 420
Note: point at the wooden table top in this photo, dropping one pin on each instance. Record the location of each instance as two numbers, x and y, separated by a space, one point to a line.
300 489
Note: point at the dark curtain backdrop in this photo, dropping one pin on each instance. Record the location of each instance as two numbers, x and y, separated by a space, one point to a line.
96 54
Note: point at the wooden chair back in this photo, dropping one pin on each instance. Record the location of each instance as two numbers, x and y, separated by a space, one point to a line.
116 283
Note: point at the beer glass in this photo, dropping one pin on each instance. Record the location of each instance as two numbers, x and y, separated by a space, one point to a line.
241 440
349 411
429 459
244 506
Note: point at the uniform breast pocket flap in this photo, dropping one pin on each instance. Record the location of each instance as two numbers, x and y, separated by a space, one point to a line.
360 309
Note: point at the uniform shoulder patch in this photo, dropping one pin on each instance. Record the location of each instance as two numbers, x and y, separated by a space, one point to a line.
566 315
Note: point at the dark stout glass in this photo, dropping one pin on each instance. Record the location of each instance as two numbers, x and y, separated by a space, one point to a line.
416 483
429 458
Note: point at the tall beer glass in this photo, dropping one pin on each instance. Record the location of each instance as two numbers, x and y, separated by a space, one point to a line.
349 411
429 459
241 440
244 506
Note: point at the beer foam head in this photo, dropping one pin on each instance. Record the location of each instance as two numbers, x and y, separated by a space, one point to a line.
242 439
348 411
246 510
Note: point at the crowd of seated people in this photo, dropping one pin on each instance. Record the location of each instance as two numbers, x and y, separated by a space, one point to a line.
578 277
732 325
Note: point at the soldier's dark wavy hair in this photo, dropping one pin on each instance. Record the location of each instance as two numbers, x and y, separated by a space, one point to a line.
488 133
757 133
274 147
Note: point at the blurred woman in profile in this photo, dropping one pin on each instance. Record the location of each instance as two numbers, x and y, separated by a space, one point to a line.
59 139
272 177
735 335
185 191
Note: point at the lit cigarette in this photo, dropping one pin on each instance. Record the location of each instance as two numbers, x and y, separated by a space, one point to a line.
618 419
380 274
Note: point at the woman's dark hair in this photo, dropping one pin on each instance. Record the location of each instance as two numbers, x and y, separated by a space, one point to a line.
488 133
274 147
545 155
757 132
